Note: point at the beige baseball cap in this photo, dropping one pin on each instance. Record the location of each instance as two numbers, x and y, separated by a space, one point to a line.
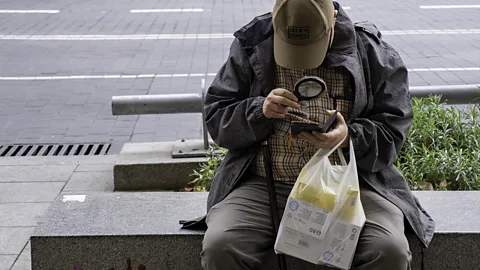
302 31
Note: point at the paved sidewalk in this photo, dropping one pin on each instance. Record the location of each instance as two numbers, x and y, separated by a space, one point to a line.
27 188
34 109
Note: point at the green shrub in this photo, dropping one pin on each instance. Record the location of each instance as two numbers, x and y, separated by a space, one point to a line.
204 175
442 150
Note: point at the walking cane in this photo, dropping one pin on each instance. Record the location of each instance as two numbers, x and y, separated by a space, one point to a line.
273 198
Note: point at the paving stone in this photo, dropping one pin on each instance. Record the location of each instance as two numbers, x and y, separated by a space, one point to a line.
148 137
122 130
90 181
29 192
32 99
37 103
6 261
21 214
94 168
14 239
58 173
24 261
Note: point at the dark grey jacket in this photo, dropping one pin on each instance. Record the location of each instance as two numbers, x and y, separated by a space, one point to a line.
378 123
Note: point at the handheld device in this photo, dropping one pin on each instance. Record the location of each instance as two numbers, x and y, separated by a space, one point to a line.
298 126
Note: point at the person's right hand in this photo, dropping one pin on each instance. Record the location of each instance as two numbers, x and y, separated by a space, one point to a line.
278 102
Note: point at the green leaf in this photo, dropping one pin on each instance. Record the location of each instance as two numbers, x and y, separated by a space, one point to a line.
442 146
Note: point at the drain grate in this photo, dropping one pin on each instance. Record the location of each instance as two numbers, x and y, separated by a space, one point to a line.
28 150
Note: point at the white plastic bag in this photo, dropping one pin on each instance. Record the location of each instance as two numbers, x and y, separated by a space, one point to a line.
324 216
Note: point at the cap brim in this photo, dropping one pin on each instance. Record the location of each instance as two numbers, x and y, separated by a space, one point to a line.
300 56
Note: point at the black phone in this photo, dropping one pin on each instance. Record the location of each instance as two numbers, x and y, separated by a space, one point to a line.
297 126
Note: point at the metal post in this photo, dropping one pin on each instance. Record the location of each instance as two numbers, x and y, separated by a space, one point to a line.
206 143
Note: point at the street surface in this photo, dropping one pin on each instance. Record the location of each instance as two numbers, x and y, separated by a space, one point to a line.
62 61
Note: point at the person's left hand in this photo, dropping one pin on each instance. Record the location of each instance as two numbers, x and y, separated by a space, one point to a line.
330 139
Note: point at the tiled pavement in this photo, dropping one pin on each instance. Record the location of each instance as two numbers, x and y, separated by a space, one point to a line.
27 188
54 111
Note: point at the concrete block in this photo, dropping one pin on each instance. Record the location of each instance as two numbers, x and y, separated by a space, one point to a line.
150 166
143 227
454 250
457 236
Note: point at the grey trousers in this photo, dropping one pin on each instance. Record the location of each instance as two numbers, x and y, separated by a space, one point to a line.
240 230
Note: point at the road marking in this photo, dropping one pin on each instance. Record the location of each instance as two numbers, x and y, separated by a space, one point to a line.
181 75
347 8
113 76
431 32
74 198
444 69
450 7
114 37
212 36
167 10
38 11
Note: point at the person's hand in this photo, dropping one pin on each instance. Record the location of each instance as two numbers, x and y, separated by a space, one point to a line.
330 139
278 102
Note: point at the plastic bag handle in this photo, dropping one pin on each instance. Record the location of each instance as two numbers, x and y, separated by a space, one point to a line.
330 151
343 161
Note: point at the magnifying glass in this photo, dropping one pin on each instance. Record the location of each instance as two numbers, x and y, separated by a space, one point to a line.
309 87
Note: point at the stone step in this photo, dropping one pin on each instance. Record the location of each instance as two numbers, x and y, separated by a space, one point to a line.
155 166
106 230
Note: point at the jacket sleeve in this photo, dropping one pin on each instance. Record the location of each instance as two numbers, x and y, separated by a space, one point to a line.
233 118
379 136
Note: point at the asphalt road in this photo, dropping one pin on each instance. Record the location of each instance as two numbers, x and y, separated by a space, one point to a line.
59 69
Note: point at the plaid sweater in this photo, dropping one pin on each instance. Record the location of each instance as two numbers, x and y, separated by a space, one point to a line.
289 155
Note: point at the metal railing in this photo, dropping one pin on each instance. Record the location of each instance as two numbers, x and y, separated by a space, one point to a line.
451 94
194 103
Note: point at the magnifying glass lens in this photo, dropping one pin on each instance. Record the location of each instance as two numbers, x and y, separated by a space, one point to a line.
310 89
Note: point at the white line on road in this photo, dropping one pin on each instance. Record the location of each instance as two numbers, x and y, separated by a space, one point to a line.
115 37
212 36
182 75
38 11
444 69
450 7
118 76
431 32
167 10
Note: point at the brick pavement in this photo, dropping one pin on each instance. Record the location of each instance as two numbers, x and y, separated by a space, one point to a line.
79 110
27 188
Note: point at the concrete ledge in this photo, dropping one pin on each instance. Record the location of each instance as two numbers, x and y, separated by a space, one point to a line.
107 229
150 166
